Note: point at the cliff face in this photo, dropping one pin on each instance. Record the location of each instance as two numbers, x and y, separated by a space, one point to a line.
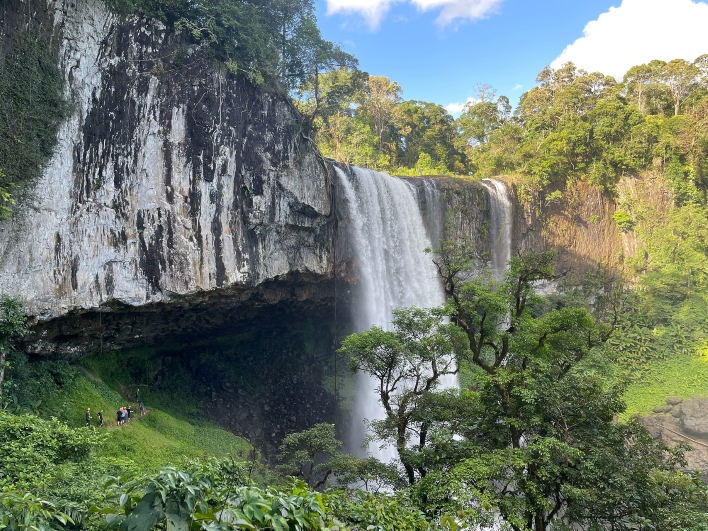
173 182
580 227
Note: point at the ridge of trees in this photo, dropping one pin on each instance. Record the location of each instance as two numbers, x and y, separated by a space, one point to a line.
571 125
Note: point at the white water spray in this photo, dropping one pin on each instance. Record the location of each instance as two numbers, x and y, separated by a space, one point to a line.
389 239
500 226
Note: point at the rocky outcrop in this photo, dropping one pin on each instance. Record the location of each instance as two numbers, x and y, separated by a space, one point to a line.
578 226
685 422
174 185
455 208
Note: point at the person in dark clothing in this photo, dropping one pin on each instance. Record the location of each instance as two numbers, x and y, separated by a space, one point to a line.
142 408
100 419
137 395
128 412
88 417
119 416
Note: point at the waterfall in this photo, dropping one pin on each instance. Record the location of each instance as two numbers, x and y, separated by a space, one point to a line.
430 204
389 238
500 226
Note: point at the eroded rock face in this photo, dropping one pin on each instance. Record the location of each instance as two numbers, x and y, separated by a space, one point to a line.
171 180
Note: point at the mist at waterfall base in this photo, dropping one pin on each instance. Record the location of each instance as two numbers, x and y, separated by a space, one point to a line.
388 234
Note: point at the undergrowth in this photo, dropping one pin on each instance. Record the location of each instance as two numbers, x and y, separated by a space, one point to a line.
56 389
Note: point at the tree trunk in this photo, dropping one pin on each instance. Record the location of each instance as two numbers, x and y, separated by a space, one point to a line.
3 358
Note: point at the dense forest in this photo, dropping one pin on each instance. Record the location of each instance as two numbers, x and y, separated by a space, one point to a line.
572 125
541 434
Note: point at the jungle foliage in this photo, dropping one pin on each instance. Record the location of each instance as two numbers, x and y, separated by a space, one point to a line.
33 106
533 440
13 325
578 125
572 125
267 41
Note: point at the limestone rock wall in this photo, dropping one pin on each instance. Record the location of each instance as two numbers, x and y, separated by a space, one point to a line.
171 178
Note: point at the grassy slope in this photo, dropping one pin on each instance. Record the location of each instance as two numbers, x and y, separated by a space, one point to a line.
156 440
681 376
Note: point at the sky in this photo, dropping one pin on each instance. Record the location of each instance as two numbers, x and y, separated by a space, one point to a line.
441 50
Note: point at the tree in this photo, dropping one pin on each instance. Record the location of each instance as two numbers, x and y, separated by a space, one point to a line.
636 80
300 452
533 442
701 63
680 77
326 99
426 128
315 57
292 18
479 120
407 364
380 97
543 446
13 325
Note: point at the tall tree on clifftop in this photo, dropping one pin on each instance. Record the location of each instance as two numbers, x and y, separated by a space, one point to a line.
380 97
680 77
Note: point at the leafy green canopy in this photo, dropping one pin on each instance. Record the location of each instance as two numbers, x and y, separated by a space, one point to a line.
533 441
363 120
210 500
580 125
32 107
262 39
311 454
32 449
572 125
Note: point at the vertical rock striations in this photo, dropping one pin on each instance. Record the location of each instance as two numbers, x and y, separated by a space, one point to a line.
171 179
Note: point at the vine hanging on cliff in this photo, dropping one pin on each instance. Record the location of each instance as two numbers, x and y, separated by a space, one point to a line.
31 108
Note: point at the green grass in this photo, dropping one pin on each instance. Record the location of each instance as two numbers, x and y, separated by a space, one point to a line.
681 376
158 439
145 444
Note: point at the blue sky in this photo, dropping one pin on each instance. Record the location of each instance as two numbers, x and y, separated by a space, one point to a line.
438 50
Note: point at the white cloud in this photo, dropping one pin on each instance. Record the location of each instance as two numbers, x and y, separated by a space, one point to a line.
517 87
458 9
456 108
637 32
374 11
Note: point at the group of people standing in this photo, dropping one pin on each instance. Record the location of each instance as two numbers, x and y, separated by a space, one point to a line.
99 418
123 415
